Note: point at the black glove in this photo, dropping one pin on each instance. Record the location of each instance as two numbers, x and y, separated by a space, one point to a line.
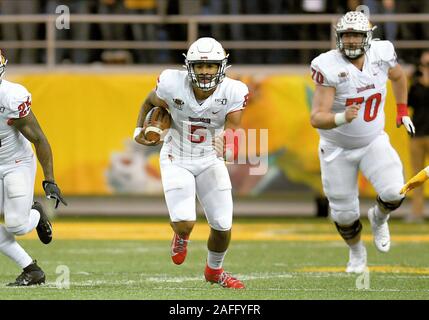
53 192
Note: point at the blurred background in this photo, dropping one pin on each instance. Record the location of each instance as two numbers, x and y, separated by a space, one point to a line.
90 64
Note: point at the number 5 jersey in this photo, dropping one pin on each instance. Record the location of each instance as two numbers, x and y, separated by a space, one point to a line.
195 123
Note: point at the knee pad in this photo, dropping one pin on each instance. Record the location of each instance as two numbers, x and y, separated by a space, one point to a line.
350 231
391 194
344 210
221 223
389 206
19 230
344 217
17 223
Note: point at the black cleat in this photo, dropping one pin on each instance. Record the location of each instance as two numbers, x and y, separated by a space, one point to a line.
31 275
44 227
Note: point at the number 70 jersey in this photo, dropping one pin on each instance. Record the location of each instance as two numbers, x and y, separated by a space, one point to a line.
366 87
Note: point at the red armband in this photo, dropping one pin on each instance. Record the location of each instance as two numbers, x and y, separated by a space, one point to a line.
230 146
401 111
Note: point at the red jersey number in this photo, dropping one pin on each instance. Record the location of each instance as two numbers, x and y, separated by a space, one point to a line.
371 105
317 76
24 108
197 131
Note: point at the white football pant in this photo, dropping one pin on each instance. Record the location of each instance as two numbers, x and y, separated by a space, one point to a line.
378 162
16 195
206 178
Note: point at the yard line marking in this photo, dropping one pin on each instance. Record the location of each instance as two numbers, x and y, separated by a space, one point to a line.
241 231
380 269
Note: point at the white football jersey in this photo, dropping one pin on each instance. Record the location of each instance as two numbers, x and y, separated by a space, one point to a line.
15 102
195 123
366 87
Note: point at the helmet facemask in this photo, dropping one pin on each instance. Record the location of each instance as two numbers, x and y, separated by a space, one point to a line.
206 50
354 22
354 51
207 82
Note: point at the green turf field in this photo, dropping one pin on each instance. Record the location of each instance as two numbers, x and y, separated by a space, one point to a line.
287 265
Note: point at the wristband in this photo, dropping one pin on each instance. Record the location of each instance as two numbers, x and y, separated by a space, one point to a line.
137 131
401 111
340 119
230 147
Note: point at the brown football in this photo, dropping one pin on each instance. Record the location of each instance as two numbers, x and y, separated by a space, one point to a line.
157 120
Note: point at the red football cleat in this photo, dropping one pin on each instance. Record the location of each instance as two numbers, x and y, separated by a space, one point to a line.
178 248
222 278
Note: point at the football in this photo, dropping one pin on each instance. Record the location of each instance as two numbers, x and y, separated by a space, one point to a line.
157 120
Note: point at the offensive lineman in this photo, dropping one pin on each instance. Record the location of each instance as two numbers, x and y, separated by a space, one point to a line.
18 129
348 111
202 101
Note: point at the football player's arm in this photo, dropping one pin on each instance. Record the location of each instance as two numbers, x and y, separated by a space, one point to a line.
416 181
321 115
31 130
399 85
151 101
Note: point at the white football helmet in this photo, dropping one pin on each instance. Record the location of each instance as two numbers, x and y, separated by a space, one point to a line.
356 22
206 50
3 63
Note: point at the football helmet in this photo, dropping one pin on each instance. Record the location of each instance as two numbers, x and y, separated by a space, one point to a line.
3 63
354 22
206 50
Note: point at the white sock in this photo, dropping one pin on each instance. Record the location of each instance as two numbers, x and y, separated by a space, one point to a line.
33 220
380 216
11 248
215 259
357 247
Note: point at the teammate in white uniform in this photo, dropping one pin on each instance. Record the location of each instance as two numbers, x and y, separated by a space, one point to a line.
18 129
202 103
348 111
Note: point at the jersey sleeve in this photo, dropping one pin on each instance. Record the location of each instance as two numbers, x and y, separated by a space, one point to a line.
19 103
239 97
386 52
320 72
163 86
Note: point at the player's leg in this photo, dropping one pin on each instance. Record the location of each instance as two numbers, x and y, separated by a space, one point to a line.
21 214
179 192
418 153
382 166
32 274
214 194
339 179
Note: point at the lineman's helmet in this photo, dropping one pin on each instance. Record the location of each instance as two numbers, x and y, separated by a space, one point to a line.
354 22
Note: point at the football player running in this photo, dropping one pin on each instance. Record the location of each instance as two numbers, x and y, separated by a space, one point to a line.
18 129
348 111
205 107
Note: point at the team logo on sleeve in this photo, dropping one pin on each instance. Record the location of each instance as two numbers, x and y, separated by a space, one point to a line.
222 101
343 76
